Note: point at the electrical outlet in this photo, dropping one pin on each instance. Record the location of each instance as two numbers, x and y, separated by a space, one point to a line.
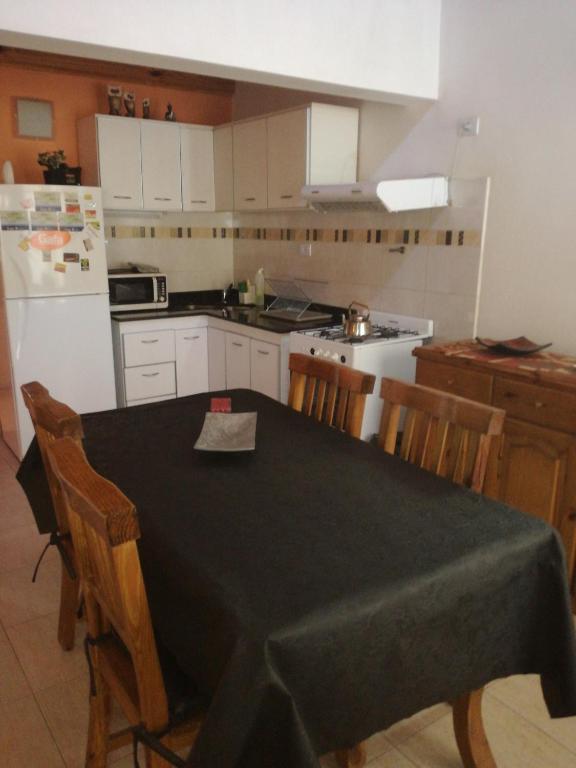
306 249
469 127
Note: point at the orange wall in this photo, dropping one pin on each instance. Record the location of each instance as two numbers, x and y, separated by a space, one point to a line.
76 96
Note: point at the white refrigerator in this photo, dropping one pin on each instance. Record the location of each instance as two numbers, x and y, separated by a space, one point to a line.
54 310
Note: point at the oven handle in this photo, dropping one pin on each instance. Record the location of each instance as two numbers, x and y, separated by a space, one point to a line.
155 289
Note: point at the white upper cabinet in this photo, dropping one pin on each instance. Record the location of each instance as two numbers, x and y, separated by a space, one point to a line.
197 159
287 158
161 172
332 144
223 168
250 174
109 153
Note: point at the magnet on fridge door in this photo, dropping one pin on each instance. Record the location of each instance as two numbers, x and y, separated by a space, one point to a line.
72 258
85 265
11 220
47 201
59 267
88 244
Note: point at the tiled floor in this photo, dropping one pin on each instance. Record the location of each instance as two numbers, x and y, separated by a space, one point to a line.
43 690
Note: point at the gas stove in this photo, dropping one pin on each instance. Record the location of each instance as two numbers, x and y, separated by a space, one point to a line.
387 351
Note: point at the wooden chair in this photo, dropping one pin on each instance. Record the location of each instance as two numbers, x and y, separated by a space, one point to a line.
121 649
53 420
331 393
445 434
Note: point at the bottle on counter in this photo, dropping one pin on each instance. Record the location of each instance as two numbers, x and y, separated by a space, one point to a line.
259 281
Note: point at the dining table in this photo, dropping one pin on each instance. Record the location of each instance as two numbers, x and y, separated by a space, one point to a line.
318 590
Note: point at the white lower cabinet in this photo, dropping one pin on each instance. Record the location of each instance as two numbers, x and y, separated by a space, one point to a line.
145 381
265 368
237 361
132 403
191 361
148 347
216 359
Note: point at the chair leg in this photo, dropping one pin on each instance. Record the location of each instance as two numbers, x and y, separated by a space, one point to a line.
351 758
469 731
69 595
98 725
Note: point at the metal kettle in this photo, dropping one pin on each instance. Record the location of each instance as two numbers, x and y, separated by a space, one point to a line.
357 324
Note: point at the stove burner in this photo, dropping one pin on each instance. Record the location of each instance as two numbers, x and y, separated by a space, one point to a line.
336 333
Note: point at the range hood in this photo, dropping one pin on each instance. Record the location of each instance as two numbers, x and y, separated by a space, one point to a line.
392 196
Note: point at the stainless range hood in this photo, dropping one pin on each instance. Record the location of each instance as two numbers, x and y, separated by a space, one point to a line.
392 196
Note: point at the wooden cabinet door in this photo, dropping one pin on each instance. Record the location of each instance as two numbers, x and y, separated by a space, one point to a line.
119 161
161 171
216 359
223 169
191 361
535 472
265 368
197 158
287 158
250 172
237 361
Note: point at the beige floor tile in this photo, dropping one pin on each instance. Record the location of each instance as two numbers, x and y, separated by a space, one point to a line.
524 695
15 511
21 600
44 662
13 684
65 708
25 741
404 729
20 547
391 759
515 742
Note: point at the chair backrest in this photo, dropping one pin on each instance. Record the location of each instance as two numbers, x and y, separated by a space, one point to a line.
104 528
442 433
331 393
52 420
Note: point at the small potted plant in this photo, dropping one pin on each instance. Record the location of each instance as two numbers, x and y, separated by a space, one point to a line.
57 171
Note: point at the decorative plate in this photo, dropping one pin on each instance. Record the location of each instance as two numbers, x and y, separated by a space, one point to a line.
228 432
518 346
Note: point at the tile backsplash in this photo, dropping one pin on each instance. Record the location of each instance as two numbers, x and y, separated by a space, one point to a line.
335 258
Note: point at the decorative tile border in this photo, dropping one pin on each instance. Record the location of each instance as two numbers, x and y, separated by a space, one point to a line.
444 237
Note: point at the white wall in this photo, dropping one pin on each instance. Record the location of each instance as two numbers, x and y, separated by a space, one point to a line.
512 63
371 48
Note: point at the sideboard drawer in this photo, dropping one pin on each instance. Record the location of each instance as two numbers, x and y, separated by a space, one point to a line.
539 405
148 348
471 384
148 381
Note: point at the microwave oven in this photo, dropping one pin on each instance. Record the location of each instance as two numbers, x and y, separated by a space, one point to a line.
130 291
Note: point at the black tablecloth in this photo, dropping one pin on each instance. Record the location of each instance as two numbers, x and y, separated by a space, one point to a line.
319 590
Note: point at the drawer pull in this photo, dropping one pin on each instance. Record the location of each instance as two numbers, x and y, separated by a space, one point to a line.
122 197
249 199
263 352
164 199
191 338
286 197
150 375
149 341
199 201
237 344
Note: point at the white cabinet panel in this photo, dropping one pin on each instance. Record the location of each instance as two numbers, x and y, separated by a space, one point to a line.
146 400
287 157
216 359
237 361
265 368
197 157
191 361
119 162
333 144
147 348
250 174
161 172
223 164
148 381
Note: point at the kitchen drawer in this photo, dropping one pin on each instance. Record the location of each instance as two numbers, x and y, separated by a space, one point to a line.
471 384
150 381
538 405
147 348
147 400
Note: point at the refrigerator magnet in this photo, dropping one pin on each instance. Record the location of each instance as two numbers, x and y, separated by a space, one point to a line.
43 221
88 196
46 255
47 201
71 197
90 213
72 258
88 245
85 265
24 245
71 222
11 220
59 267
72 207
94 228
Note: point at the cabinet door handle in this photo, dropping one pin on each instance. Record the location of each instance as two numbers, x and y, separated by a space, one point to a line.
249 199
263 352
165 199
286 197
190 338
150 375
237 344
122 197
199 201
149 341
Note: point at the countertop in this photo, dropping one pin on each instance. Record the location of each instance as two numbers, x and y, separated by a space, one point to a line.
209 303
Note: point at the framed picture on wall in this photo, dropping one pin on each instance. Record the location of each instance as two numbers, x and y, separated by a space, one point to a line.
33 118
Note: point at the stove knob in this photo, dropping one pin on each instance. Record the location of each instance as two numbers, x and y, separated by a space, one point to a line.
342 358
312 351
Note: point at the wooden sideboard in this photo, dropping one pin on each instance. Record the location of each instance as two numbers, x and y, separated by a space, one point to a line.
533 467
